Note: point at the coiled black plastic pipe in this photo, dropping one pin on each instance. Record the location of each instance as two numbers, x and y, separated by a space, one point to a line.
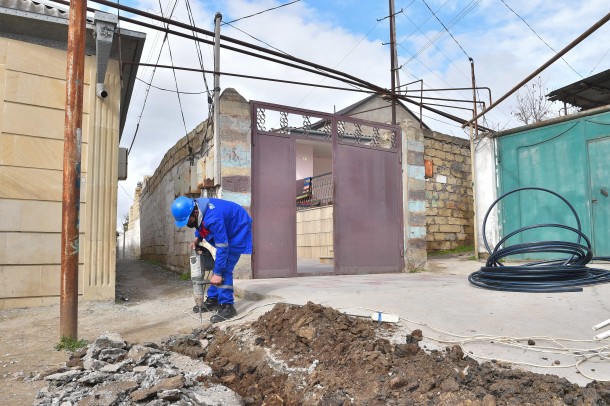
560 275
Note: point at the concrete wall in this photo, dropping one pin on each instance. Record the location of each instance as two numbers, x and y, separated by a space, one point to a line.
379 110
32 100
160 239
315 233
449 198
486 193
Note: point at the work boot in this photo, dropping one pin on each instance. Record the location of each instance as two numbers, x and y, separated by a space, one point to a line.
223 312
209 305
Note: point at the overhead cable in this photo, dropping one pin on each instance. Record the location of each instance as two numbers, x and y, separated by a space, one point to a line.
446 29
135 134
168 90
261 12
571 45
171 58
539 37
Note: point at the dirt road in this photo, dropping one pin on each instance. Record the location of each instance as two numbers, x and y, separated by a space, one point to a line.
149 306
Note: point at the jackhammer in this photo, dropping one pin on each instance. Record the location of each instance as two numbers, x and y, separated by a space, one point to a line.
202 264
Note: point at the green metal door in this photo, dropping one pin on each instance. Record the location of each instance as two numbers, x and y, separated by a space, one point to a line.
599 181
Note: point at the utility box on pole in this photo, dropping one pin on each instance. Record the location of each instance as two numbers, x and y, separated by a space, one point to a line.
123 163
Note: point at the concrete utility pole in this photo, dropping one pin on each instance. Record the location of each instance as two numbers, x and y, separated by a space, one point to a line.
75 70
393 60
472 161
217 21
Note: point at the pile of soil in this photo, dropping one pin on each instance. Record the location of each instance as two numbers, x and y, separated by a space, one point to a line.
315 355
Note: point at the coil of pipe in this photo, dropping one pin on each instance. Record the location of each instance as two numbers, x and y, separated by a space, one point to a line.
569 273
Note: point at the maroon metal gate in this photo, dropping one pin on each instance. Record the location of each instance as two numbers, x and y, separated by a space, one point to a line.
367 213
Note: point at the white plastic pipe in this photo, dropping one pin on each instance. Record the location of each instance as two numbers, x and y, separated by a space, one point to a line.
386 317
600 325
603 335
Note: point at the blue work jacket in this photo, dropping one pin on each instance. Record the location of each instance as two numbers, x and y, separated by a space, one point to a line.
226 226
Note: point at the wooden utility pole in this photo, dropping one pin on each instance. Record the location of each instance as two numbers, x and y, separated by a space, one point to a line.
68 305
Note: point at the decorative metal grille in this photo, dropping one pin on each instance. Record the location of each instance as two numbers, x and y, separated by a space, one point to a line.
341 129
358 133
375 140
284 122
260 119
306 125
327 129
393 140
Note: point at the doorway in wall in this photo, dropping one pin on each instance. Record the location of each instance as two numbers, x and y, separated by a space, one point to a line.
326 194
314 207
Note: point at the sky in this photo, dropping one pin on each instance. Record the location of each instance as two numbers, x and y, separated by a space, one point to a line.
507 39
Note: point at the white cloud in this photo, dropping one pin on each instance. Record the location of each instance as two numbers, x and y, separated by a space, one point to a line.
504 49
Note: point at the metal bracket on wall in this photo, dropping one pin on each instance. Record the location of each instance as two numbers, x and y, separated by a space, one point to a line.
105 25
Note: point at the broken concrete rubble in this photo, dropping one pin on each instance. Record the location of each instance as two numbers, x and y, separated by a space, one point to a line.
114 372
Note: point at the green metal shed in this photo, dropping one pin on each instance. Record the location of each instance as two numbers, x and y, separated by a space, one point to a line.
569 155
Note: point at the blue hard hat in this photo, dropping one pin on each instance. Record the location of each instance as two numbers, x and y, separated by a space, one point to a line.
181 210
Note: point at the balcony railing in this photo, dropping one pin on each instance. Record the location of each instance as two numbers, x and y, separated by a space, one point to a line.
314 191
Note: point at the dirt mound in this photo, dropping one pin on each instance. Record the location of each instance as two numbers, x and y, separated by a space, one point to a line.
314 355
298 355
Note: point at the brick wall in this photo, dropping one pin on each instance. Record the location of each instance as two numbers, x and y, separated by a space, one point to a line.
449 202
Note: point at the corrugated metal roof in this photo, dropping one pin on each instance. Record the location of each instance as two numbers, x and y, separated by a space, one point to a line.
587 93
34 7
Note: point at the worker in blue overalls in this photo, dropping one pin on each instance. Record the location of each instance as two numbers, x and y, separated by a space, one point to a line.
226 226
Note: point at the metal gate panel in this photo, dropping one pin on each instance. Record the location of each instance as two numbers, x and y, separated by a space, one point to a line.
274 238
367 223
599 168
368 198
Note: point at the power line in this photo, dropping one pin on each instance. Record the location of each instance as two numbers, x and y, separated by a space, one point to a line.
340 61
261 12
135 134
256 39
198 48
539 37
431 43
171 58
128 195
169 90
292 82
446 29
600 59
304 64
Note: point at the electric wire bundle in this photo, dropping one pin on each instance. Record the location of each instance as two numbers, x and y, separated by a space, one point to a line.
559 275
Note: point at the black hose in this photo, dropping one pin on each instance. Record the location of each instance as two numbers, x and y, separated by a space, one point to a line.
559 275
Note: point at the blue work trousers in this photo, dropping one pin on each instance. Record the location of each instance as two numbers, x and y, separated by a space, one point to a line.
224 292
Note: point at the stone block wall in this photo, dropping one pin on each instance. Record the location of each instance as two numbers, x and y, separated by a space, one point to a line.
449 198
315 233
160 240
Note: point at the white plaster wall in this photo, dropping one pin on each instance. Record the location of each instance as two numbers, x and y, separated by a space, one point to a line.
322 166
132 242
304 161
485 183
